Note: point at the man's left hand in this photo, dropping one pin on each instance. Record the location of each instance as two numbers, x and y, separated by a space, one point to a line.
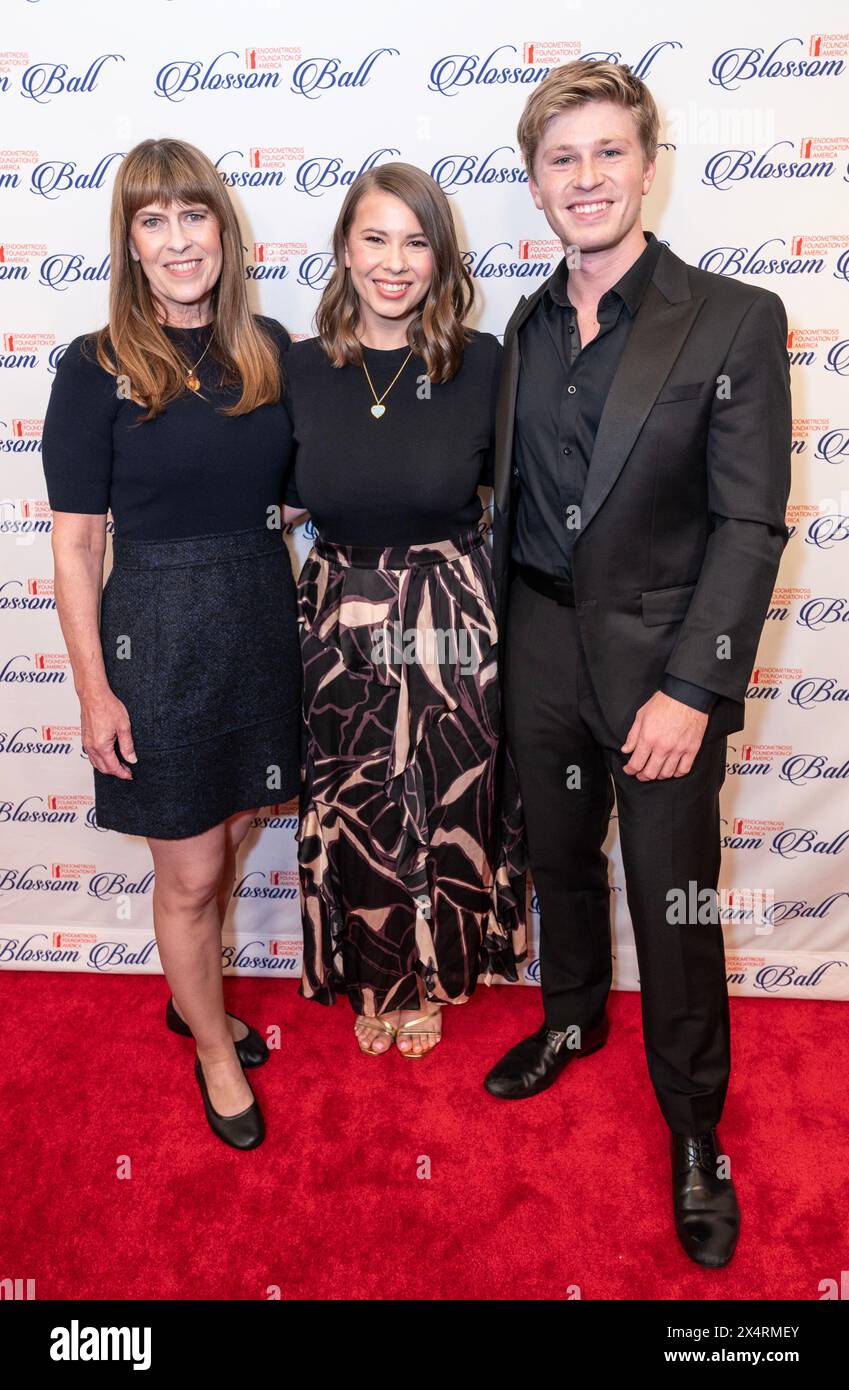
664 738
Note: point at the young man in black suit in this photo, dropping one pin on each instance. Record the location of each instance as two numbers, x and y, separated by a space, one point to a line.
641 479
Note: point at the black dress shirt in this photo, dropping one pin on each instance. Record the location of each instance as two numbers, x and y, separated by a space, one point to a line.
561 394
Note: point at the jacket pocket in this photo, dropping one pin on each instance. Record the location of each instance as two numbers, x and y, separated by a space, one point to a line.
683 391
666 605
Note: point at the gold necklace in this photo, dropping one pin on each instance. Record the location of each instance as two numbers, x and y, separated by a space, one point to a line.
378 408
193 380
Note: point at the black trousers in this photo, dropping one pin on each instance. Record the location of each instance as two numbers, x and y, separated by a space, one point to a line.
568 763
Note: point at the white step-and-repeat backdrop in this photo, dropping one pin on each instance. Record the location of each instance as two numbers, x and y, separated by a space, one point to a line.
291 103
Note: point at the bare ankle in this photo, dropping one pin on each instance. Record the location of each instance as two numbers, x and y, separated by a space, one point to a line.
217 1052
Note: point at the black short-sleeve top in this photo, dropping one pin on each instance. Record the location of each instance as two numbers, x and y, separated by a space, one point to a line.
409 477
189 472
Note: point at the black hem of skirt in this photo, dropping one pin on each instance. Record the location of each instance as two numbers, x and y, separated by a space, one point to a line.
148 805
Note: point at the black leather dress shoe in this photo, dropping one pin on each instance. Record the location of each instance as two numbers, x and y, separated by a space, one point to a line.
707 1217
535 1063
242 1131
251 1049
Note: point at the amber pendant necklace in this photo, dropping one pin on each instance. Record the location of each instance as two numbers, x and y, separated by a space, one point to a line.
193 380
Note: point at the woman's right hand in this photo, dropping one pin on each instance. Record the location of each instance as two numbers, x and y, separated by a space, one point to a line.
103 719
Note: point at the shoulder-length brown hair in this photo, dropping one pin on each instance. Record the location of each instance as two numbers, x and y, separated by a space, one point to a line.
437 332
133 343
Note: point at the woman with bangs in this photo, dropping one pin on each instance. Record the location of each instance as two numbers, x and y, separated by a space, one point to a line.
186 664
410 857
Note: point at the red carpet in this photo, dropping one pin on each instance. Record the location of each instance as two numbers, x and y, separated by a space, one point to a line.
525 1199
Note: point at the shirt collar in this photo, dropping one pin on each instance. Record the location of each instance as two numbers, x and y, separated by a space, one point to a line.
630 287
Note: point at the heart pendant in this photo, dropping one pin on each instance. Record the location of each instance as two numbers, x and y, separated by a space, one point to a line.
377 411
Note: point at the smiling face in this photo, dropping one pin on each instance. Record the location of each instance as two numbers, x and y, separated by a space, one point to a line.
391 265
591 177
179 249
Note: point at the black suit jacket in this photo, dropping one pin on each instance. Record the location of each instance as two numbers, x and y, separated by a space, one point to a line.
662 582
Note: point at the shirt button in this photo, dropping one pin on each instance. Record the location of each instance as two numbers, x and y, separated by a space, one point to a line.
515 472
571 328
571 390
567 450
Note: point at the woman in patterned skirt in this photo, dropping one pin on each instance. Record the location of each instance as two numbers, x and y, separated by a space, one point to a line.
410 857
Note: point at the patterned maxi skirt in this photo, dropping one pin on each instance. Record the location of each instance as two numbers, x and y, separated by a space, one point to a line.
411 851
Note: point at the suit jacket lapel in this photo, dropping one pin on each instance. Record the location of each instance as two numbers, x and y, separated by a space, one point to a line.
505 411
663 320
656 338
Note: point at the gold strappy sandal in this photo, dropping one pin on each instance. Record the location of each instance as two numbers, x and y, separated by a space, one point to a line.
409 1029
376 1026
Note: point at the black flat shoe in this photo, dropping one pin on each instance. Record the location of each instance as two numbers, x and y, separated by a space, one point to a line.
707 1217
535 1063
242 1131
251 1049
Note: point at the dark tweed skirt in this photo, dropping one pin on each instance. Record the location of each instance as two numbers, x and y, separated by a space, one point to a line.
200 641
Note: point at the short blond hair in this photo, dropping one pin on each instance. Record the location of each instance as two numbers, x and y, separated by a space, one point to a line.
574 84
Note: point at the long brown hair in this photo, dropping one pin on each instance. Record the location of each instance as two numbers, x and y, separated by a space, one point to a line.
437 332
133 343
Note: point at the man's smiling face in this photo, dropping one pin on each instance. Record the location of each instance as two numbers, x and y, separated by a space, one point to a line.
590 175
